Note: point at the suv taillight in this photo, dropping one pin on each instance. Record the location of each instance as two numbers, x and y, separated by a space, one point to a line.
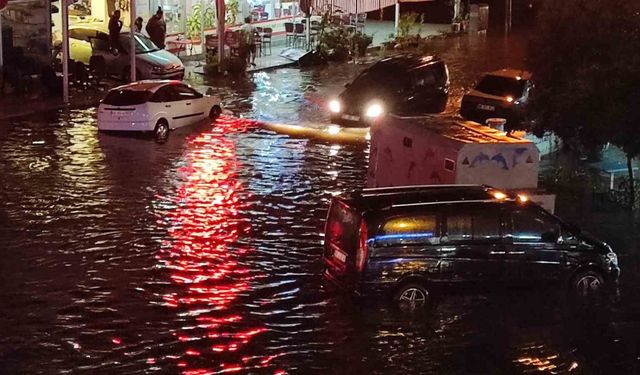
361 253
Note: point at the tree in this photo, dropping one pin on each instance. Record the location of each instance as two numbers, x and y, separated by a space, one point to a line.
585 60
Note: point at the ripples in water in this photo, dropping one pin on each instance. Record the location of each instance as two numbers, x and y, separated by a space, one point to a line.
202 255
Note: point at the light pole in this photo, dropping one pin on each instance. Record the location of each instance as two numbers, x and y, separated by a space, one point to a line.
507 16
65 50
132 40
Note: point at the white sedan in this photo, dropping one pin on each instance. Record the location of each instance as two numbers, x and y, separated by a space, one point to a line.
155 105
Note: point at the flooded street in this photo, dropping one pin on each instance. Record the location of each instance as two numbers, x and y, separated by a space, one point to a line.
202 255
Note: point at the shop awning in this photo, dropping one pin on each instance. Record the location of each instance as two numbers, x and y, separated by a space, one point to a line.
363 6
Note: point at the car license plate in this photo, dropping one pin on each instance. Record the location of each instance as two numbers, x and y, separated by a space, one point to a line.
351 118
119 113
340 255
486 107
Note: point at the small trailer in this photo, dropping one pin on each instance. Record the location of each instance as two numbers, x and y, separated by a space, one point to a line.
440 149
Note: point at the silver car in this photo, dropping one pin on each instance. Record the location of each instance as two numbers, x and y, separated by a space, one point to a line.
151 62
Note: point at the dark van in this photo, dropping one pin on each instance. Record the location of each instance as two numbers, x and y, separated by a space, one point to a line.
409 242
406 84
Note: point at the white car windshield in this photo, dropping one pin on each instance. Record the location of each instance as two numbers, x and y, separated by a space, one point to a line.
143 44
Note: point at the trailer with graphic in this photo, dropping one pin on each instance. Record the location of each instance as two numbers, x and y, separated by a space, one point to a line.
430 150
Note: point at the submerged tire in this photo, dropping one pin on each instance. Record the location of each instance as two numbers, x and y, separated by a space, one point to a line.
587 284
161 131
215 112
412 297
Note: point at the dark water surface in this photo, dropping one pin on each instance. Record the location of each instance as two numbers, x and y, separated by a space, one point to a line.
202 255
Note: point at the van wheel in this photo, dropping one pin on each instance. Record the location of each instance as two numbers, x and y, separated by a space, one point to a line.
411 297
587 283
215 112
161 131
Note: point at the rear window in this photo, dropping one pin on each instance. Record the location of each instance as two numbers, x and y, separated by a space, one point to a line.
501 86
342 226
431 75
409 230
126 97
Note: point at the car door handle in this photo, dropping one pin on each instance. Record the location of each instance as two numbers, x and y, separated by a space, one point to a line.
167 106
516 253
189 103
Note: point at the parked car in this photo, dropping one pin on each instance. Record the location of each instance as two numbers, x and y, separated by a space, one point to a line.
411 242
152 62
405 84
500 94
155 105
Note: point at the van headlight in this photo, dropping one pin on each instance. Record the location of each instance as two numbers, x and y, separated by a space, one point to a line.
373 110
612 258
335 106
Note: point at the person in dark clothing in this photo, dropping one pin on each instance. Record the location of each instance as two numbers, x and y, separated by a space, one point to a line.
115 25
138 25
157 28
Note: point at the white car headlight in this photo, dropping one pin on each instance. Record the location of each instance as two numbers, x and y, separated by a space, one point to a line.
334 106
374 110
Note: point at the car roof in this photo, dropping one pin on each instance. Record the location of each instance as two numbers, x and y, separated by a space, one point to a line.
372 199
98 26
511 73
407 62
151 85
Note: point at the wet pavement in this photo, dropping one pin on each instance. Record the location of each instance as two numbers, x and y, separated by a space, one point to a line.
202 255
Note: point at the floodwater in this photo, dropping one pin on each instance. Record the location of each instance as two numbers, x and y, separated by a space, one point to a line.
202 255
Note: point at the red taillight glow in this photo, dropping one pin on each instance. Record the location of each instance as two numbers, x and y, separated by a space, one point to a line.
361 254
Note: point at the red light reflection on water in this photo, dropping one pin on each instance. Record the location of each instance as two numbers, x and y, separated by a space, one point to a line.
204 259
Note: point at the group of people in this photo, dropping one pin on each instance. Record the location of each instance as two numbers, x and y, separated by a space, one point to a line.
156 28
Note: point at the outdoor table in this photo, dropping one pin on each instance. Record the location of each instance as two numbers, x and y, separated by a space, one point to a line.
181 45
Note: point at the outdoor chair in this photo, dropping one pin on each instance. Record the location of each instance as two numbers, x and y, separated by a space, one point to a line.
289 33
266 38
211 43
258 40
299 34
232 39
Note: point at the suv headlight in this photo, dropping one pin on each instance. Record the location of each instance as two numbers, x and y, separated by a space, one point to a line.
334 106
157 69
374 110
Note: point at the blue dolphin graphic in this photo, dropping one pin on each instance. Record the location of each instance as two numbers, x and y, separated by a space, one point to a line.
500 160
479 159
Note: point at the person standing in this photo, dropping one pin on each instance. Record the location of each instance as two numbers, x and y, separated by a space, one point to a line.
157 28
138 25
115 26
249 34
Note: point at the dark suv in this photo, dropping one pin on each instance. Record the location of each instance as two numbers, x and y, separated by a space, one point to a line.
403 84
500 94
409 242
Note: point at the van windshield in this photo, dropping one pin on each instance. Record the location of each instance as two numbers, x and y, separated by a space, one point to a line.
126 97
342 226
501 86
